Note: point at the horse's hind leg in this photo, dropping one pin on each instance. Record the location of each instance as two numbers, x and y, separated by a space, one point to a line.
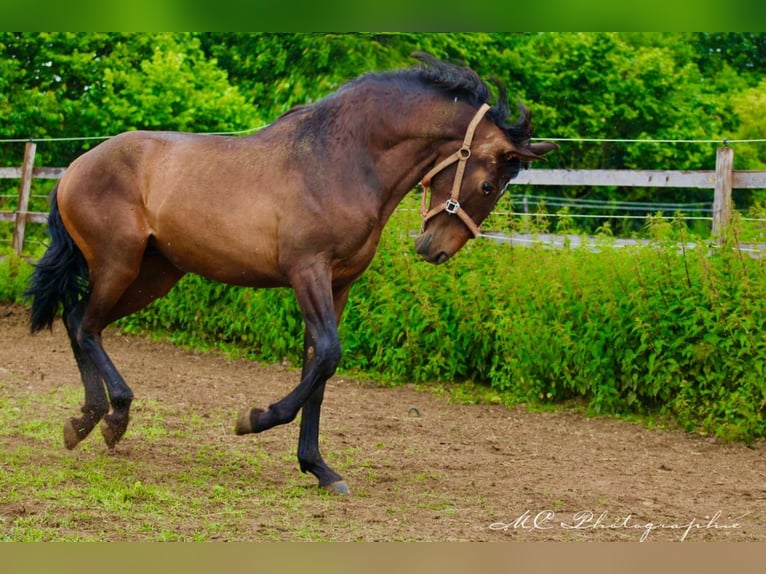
154 278
96 402
95 360
124 277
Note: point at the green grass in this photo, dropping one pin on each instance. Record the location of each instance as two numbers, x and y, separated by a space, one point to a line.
185 484
89 495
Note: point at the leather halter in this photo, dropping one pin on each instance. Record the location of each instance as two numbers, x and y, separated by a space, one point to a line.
452 205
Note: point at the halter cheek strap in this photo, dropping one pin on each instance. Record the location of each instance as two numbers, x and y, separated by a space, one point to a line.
452 205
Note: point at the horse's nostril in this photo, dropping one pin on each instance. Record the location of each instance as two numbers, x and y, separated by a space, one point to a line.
422 243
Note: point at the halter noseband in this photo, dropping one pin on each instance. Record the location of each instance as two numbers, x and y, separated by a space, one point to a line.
452 205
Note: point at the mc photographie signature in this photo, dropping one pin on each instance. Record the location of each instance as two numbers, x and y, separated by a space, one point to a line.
589 520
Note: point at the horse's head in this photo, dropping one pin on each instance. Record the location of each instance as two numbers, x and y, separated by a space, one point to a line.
466 183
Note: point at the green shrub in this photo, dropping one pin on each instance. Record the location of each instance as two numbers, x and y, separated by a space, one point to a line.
14 276
667 328
657 329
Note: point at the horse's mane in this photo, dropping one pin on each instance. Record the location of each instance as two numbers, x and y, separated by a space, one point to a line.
451 80
458 80
462 82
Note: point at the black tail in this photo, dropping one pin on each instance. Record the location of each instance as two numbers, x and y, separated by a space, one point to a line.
61 275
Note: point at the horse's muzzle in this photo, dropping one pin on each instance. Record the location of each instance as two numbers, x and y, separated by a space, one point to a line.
422 246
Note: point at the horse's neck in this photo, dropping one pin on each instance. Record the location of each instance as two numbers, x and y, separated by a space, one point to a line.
409 145
379 141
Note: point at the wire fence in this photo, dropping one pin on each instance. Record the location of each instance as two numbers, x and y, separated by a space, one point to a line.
106 137
540 205
535 205
639 141
522 205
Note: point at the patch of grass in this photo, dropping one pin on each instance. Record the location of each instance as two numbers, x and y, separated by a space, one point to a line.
14 276
152 489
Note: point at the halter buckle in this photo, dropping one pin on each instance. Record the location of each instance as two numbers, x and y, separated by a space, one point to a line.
452 206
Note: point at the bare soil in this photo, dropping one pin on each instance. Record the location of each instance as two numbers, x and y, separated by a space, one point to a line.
493 473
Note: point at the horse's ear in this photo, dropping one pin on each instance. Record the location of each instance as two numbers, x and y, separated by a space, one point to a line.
541 148
534 151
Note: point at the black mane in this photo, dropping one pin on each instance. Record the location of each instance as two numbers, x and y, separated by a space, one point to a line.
452 80
462 81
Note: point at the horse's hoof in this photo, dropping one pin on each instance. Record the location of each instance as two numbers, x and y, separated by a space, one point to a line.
111 434
245 421
244 424
338 487
71 437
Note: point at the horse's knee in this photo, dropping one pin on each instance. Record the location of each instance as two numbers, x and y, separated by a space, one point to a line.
327 357
324 357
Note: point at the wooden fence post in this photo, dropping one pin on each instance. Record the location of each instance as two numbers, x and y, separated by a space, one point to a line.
24 188
724 178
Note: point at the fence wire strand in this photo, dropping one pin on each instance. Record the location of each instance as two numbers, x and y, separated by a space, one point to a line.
94 138
722 141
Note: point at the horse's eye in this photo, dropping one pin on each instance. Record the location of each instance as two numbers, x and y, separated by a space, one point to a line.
487 188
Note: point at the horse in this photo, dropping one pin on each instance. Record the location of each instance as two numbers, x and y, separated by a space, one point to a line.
299 204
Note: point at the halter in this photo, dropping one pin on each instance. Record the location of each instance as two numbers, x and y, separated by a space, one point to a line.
452 205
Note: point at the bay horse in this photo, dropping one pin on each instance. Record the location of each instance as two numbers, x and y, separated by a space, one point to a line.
300 204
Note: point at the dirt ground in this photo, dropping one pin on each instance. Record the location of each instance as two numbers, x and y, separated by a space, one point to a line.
512 474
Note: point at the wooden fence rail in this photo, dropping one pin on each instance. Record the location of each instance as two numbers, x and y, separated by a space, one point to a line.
25 174
722 180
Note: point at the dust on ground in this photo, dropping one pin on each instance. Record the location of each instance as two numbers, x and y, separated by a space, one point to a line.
512 474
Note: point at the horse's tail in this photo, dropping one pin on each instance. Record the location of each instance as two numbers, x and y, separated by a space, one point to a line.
61 275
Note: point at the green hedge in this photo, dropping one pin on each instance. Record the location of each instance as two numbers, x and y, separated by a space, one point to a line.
657 329
14 277
648 329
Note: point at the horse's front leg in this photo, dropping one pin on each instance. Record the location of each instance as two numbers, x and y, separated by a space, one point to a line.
322 351
309 456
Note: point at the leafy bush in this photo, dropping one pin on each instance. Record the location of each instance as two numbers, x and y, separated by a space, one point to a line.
670 328
657 329
14 276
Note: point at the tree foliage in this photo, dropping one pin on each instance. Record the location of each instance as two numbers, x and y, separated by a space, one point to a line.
641 331
579 85
60 85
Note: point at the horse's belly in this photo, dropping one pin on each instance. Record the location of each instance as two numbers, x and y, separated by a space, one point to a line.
233 263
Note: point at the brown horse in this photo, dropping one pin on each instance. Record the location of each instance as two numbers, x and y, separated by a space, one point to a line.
299 204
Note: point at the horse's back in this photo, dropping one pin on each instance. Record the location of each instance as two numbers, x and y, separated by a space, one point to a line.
243 210
210 204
